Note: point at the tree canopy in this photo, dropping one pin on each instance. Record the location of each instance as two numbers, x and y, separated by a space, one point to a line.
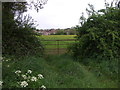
17 31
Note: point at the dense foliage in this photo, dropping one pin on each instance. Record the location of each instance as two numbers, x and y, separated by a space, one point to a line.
99 35
18 36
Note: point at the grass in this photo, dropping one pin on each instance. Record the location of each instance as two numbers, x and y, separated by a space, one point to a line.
57 37
58 71
61 71
53 49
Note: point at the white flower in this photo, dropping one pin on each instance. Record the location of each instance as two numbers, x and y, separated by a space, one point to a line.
1 83
18 72
33 78
23 84
91 19
43 87
29 71
6 60
40 76
24 76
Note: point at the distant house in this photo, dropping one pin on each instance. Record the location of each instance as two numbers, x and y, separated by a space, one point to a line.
46 32
68 31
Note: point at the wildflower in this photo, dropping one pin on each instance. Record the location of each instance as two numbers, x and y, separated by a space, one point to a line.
24 76
40 76
34 79
1 83
7 60
91 19
29 71
23 84
43 87
18 72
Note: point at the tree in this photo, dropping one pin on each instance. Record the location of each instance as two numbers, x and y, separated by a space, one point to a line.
18 36
99 36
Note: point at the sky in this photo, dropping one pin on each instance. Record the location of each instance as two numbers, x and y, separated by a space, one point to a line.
63 13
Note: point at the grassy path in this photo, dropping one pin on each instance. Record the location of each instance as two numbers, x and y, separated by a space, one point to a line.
58 71
75 75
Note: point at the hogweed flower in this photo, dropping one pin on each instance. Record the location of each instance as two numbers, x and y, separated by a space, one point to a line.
23 84
40 76
34 79
29 71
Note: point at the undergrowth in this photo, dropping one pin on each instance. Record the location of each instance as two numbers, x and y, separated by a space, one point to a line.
58 71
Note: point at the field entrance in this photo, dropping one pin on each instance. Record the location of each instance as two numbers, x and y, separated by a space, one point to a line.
57 44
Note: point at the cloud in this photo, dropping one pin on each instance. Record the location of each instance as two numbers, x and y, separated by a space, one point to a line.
62 13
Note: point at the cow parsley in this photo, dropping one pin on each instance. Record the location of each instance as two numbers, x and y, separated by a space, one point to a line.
29 71
23 84
40 76
33 78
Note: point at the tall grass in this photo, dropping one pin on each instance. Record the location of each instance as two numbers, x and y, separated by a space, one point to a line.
58 71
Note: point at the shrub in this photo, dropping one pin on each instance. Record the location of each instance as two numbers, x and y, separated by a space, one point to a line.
99 36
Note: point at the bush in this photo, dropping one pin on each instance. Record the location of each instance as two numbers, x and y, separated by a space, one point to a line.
99 36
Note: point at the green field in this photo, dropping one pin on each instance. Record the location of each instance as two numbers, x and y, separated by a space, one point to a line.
61 45
57 37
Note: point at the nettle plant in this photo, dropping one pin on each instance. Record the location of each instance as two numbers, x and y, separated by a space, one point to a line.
28 80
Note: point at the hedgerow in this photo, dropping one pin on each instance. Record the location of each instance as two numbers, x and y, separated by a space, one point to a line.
99 35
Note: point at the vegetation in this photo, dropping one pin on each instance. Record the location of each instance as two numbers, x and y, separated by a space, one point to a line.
68 31
99 40
96 52
18 36
56 37
99 35
58 72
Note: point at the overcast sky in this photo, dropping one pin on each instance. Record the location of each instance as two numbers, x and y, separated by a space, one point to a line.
62 13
